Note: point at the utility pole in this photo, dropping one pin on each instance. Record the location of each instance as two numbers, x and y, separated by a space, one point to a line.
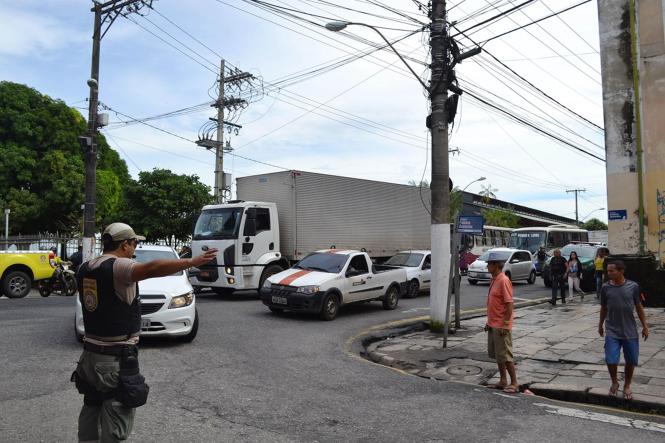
576 191
438 122
105 14
221 104
219 148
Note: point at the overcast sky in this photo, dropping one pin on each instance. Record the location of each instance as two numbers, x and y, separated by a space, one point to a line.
364 119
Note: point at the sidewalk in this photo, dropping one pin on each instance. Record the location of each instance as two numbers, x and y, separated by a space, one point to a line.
557 350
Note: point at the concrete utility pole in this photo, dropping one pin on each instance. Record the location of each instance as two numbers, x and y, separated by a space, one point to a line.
105 13
7 211
440 230
219 148
223 102
576 191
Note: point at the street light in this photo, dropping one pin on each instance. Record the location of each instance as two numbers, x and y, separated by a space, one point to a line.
599 209
479 179
337 26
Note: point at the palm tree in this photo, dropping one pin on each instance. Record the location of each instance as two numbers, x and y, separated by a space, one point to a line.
488 192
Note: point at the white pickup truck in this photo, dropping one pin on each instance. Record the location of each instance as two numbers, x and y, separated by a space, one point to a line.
325 280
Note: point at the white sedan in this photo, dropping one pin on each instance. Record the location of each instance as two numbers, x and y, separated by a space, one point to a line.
168 305
418 266
518 266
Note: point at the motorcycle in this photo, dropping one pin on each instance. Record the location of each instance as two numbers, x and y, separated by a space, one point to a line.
62 282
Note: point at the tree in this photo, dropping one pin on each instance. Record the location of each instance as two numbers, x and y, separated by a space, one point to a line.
501 217
163 204
42 163
487 192
594 225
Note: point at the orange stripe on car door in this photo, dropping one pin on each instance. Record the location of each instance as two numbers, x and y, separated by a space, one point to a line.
290 279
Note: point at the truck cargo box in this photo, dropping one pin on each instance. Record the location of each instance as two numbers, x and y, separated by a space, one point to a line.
319 211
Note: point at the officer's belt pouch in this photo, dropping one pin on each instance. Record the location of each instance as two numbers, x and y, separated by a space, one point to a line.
81 385
132 390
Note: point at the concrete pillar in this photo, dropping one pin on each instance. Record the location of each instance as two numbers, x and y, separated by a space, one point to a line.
621 108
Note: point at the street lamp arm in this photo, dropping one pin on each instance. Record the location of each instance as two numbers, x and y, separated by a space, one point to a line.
338 26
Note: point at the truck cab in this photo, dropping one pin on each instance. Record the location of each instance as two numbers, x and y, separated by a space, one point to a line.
246 234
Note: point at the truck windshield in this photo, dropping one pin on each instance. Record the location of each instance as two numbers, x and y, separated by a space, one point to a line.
409 260
324 262
218 224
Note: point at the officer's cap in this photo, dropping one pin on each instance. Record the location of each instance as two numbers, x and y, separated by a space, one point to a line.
122 231
498 257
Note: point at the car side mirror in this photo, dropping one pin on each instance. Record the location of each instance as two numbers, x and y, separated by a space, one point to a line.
513 261
427 266
352 273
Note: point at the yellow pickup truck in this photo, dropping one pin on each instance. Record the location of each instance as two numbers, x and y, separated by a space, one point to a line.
19 269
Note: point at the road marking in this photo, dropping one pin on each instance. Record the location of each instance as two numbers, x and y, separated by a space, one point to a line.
521 299
505 395
414 310
604 418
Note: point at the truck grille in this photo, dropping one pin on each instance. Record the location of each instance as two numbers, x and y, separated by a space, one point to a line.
149 308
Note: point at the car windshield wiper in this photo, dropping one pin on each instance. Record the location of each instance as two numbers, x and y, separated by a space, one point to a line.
314 268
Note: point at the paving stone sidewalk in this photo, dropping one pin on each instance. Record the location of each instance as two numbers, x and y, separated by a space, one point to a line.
558 353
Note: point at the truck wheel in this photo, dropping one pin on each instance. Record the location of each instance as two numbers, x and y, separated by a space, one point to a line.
330 307
44 287
16 284
391 298
532 278
413 289
473 282
268 272
195 328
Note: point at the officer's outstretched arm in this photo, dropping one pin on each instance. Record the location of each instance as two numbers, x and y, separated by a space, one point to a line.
161 268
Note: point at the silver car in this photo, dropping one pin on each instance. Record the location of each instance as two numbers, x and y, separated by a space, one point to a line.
518 266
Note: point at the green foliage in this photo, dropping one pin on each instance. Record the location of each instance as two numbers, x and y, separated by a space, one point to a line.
436 326
162 204
42 164
501 217
594 225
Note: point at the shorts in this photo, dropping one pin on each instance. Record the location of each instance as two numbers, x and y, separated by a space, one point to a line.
631 350
499 347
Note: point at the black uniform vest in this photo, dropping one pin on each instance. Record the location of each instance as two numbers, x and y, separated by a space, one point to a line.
104 314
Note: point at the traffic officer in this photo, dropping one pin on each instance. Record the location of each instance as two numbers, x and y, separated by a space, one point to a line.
107 372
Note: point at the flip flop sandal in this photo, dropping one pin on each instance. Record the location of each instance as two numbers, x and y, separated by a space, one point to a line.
614 390
511 390
497 386
628 395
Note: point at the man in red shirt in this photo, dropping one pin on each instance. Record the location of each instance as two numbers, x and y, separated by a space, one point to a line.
500 322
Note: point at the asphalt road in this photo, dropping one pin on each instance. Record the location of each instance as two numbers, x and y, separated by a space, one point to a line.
251 375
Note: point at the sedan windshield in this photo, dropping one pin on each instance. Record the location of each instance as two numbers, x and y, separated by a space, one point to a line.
324 262
145 256
498 255
405 259
218 224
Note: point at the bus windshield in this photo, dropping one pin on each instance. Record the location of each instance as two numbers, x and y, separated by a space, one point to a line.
222 223
529 240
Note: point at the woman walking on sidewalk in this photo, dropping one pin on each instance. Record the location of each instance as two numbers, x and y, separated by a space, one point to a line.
574 271
599 266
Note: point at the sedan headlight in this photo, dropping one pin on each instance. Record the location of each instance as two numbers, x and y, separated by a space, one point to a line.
308 289
267 284
181 301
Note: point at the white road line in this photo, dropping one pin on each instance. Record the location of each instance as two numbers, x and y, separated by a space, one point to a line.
522 299
415 310
605 418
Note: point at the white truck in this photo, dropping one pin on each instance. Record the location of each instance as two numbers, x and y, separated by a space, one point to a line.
282 217
325 280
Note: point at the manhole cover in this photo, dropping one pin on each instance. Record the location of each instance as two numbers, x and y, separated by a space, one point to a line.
464 370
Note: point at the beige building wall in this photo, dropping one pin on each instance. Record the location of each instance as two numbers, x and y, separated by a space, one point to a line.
651 14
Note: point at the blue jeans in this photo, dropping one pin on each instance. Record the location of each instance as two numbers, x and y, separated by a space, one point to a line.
558 283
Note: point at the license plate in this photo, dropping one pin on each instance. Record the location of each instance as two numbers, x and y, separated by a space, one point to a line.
279 300
145 323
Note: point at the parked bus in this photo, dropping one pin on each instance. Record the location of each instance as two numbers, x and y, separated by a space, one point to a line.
474 245
550 237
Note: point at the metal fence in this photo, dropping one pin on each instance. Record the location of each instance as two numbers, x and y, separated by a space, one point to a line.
65 245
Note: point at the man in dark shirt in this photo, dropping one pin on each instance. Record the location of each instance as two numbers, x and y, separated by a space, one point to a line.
557 271
618 298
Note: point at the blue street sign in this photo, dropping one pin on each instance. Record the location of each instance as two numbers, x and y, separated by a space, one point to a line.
471 224
617 214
